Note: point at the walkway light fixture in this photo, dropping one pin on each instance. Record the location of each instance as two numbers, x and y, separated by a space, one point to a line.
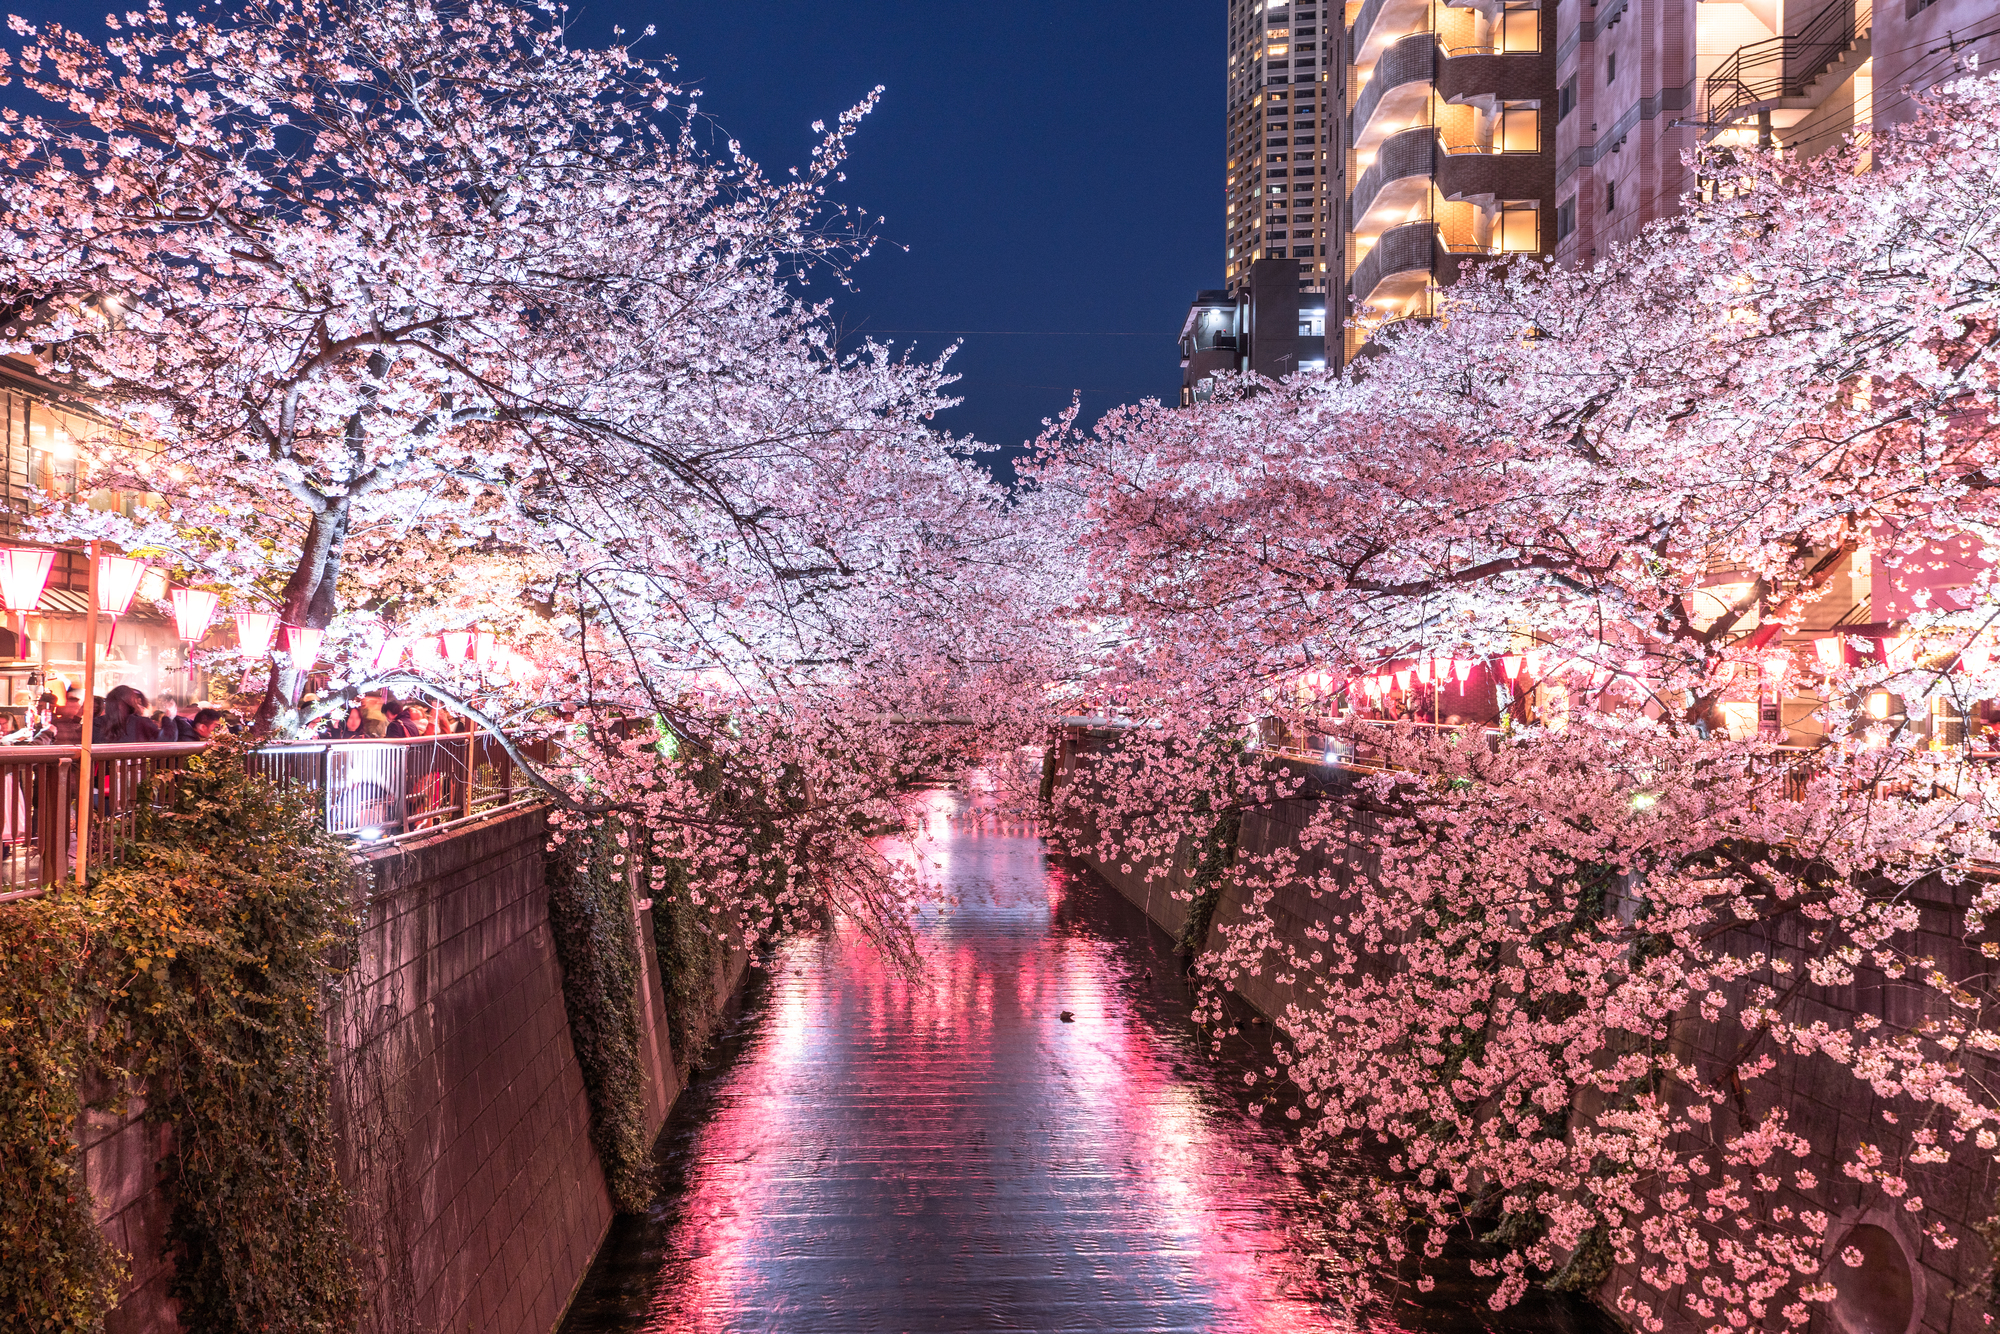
24 573
117 581
302 642
255 630
194 611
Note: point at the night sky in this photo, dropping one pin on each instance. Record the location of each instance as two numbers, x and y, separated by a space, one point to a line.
1050 173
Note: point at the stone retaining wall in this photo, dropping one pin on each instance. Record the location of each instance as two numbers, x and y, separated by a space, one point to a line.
478 1201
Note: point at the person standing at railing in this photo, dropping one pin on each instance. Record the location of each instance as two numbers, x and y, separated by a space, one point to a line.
173 727
124 720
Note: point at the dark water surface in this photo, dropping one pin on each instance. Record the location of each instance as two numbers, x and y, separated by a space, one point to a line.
870 1152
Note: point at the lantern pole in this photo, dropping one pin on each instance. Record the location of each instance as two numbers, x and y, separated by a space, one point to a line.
89 697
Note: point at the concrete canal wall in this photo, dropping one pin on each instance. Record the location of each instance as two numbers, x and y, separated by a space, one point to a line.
1908 1284
478 1201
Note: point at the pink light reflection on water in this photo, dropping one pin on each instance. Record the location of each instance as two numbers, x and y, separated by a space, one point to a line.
944 1153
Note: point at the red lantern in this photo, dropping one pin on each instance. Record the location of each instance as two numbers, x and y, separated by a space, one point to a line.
194 611
1831 651
255 630
1511 664
1462 669
24 572
117 580
302 642
457 645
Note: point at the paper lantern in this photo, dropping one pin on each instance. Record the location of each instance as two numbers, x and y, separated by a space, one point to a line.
1900 653
457 645
1462 669
1777 666
1403 678
24 572
194 612
117 581
1831 651
1532 660
1976 657
390 655
1425 670
255 630
302 643
483 646
1510 663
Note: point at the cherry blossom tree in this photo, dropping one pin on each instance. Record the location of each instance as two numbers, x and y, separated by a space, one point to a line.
1544 972
414 318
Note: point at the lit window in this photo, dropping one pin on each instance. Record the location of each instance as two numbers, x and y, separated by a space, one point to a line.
1278 49
1519 227
1521 30
1520 131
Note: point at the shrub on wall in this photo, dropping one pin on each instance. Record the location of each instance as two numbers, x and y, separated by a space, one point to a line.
196 971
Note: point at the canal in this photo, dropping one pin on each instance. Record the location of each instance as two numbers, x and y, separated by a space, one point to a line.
1031 1136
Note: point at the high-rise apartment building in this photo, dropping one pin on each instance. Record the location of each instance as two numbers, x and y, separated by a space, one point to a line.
1641 83
1448 125
1282 140
1379 145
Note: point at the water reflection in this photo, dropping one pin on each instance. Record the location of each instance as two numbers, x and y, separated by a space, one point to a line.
949 1153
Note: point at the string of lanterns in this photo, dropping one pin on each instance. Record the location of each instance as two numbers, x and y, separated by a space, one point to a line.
24 577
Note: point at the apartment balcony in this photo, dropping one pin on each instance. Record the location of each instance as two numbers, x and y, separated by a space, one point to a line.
1784 79
1381 23
1401 176
1398 89
1399 266
1397 180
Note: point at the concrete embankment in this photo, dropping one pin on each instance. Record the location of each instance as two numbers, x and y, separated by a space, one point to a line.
477 1199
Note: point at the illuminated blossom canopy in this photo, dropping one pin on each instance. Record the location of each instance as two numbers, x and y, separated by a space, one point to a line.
416 318
1561 980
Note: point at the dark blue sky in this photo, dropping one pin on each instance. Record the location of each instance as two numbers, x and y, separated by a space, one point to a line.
1053 168
1050 173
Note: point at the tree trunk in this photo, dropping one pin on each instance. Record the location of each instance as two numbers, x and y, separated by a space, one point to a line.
309 601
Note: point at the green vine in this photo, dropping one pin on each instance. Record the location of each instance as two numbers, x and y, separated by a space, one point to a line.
688 953
1216 853
597 944
203 962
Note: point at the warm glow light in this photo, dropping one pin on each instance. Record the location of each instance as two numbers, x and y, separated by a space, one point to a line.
457 645
1532 659
1777 666
482 646
390 655
302 642
1425 670
1402 678
1878 704
1976 657
255 630
1832 652
117 580
194 612
1462 669
1510 663
153 586
1900 652
24 572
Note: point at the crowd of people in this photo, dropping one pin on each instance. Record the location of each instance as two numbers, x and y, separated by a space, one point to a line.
124 716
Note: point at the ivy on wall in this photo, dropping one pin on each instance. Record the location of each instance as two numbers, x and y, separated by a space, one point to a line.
196 971
596 938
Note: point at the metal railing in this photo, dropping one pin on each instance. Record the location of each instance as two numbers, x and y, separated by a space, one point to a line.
1781 68
369 789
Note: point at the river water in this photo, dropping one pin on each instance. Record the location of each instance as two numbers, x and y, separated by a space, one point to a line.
947 1153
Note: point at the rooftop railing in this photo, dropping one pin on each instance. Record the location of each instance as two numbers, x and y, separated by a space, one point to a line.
370 790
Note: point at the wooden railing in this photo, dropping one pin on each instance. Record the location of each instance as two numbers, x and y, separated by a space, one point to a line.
372 789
